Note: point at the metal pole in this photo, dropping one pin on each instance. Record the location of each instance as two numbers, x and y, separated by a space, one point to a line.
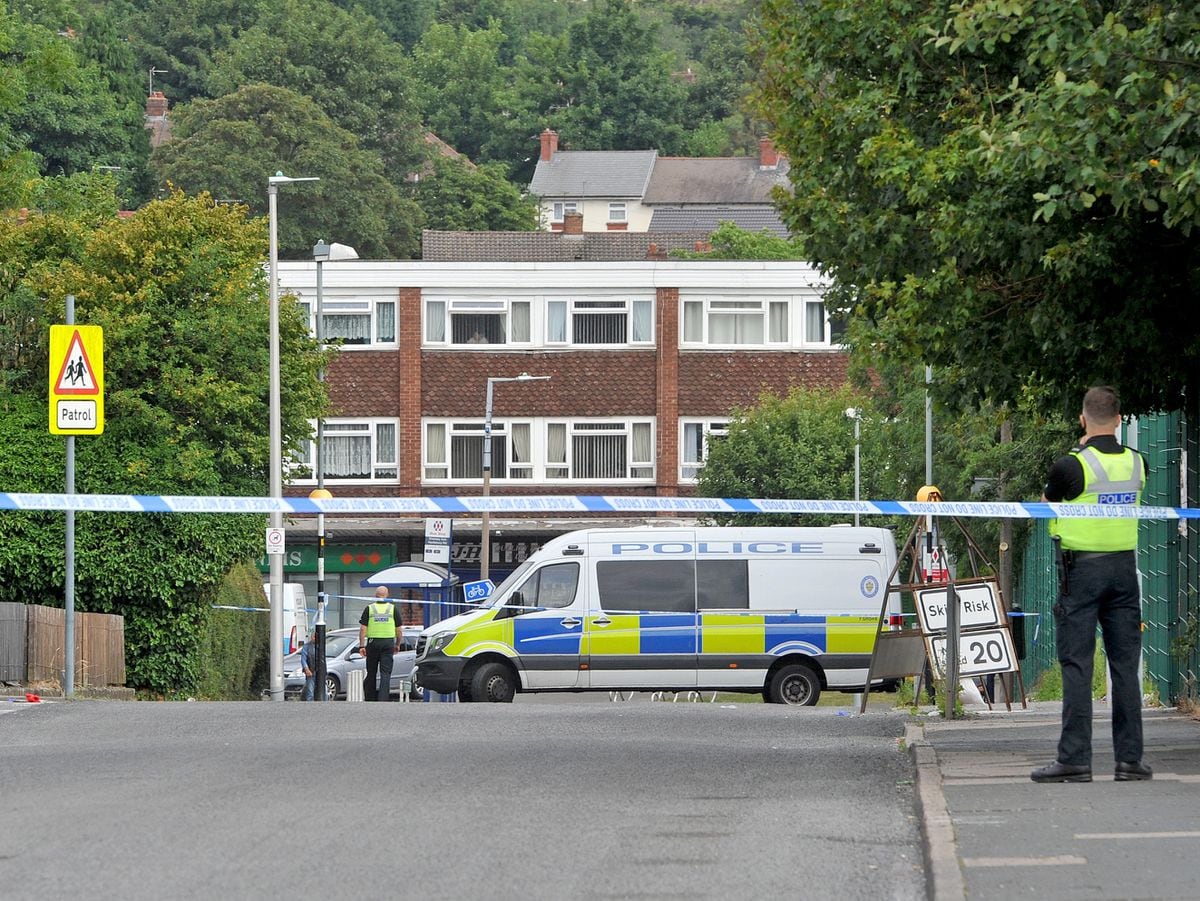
485 521
276 447
321 597
856 465
928 427
69 576
952 635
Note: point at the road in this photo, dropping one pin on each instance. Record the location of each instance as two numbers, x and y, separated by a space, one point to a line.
556 800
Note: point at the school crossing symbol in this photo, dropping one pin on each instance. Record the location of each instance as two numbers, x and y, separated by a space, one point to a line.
76 380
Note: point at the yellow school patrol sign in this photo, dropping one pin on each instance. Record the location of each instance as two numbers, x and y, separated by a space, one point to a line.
76 380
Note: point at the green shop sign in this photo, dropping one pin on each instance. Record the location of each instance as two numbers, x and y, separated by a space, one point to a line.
339 558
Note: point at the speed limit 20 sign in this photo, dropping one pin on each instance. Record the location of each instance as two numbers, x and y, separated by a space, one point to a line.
979 653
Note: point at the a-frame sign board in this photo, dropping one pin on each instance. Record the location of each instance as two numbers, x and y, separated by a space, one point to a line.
985 644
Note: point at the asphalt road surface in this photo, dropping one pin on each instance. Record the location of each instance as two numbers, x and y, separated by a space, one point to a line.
558 800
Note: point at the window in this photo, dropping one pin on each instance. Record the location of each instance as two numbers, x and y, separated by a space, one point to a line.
617 212
469 322
726 321
599 451
551 586
454 450
608 321
541 450
696 440
662 586
723 584
562 207
818 328
354 323
352 451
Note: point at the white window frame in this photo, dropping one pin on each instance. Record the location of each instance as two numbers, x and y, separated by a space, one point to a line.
375 309
710 430
633 310
618 211
826 337
516 313
560 208
509 436
385 459
437 451
772 314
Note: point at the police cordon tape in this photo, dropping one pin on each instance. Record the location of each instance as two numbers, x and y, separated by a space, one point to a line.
441 506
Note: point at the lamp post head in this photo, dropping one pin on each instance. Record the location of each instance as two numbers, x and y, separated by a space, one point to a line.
331 253
280 179
853 413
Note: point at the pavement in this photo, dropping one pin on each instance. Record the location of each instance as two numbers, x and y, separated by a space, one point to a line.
992 833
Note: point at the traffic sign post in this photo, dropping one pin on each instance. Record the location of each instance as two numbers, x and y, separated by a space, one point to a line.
76 380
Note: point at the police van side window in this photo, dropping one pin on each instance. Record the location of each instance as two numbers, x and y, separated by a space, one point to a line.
551 586
723 584
662 586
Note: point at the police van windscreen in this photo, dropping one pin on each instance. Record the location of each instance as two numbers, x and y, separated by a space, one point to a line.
515 578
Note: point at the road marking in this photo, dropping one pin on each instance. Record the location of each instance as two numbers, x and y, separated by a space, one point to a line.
1125 835
1059 860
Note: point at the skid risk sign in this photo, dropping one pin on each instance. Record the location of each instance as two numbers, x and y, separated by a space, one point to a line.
76 380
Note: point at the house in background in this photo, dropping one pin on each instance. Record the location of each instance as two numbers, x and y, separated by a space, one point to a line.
638 190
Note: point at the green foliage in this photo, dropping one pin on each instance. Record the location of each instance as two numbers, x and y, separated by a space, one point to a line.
229 147
802 446
459 197
180 293
234 644
1004 190
732 243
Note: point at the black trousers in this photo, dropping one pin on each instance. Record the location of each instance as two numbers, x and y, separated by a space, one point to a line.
379 665
1103 589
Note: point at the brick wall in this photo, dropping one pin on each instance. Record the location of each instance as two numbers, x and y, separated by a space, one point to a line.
409 365
712 382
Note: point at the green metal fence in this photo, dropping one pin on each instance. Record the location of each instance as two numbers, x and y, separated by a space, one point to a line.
1168 559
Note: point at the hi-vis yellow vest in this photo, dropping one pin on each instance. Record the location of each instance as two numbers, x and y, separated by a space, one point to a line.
1107 479
381 622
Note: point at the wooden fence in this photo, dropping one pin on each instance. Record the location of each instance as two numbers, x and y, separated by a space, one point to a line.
31 645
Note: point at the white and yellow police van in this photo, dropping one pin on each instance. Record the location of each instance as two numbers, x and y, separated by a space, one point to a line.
787 612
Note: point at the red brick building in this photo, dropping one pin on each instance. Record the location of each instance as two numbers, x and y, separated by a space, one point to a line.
646 359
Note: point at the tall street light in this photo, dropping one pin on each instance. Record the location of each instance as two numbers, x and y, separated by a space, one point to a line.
484 542
276 437
856 414
323 253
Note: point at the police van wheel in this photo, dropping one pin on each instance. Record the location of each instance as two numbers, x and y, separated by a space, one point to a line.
794 684
493 682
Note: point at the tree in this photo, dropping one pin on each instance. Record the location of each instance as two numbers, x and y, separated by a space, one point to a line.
460 197
802 446
181 295
732 243
1006 191
344 62
229 146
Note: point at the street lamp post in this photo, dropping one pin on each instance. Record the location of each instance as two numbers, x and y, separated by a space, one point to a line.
485 522
323 253
856 414
276 430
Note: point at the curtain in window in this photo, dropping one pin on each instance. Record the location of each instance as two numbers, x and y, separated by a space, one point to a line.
385 322
643 451
556 321
521 456
693 448
693 322
556 450
347 456
778 315
435 443
385 442
520 321
351 328
735 328
598 457
435 321
643 312
466 457
814 325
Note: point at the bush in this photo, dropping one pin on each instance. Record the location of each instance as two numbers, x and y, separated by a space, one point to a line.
234 659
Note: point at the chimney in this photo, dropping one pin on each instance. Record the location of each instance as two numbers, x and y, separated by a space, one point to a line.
549 145
654 252
768 156
156 104
703 247
572 224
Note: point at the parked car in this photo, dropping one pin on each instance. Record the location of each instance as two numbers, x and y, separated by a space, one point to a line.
341 657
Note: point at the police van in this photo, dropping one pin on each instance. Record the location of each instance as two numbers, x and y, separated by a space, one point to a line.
785 612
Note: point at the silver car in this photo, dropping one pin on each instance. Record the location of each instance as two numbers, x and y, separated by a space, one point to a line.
342 657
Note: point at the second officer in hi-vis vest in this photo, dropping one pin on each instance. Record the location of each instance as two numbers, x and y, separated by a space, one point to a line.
379 636
1098 583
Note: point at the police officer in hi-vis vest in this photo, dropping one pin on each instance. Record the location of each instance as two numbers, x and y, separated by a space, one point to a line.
379 635
1098 582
